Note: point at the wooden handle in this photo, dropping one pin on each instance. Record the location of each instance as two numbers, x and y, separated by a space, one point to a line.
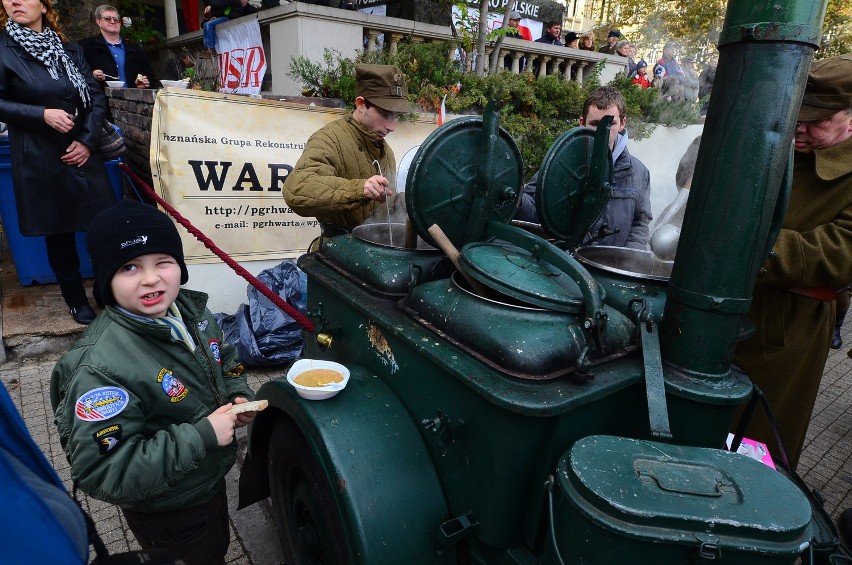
452 253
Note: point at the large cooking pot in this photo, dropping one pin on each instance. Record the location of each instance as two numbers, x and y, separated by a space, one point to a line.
628 274
375 256
388 235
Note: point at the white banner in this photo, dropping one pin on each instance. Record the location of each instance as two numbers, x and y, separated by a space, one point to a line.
242 61
222 160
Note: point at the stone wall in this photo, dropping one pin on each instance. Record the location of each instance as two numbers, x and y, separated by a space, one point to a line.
132 109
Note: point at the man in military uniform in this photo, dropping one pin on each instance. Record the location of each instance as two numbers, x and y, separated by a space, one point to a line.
612 38
344 171
793 307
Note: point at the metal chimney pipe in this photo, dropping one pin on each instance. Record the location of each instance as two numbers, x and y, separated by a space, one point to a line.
765 50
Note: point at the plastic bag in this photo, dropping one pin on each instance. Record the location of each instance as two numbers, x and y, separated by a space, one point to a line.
263 334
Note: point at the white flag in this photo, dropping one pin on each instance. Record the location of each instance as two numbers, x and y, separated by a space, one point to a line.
242 61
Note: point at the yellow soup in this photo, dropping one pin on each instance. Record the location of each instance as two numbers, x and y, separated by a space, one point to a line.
318 377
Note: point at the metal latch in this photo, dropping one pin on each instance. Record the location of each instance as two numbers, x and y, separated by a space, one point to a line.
709 551
446 430
655 385
451 532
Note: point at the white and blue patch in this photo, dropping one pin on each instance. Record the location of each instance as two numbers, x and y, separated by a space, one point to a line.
214 349
202 325
101 403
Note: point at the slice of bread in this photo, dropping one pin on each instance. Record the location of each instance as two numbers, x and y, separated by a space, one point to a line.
255 406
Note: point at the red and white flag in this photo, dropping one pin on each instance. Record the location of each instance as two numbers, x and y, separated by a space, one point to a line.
242 61
442 112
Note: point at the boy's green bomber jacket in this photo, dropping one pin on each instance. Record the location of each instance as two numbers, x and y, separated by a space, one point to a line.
131 405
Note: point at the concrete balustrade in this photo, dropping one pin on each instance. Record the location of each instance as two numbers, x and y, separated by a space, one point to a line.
296 29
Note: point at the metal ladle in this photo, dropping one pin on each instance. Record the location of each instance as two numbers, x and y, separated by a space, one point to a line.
387 203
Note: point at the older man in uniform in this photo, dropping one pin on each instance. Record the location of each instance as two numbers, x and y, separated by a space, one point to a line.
793 308
342 175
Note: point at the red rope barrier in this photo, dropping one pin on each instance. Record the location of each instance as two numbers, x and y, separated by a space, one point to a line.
208 243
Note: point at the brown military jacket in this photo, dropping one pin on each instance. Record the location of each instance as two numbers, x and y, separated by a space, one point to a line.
787 355
328 180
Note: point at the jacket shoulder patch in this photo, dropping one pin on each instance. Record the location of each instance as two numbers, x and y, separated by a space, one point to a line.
101 403
172 386
107 438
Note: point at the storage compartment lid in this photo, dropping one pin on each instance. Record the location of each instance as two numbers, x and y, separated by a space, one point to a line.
575 182
684 494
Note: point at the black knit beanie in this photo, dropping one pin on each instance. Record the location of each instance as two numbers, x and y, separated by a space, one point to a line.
125 231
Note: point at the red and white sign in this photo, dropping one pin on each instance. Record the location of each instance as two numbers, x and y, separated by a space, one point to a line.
242 61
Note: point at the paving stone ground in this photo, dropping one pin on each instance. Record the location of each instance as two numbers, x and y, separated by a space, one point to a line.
826 463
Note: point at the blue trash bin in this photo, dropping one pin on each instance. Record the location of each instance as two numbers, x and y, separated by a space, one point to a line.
29 253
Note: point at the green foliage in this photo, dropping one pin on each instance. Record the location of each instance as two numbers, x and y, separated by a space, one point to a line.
534 111
140 31
837 30
466 30
646 108
695 25
335 78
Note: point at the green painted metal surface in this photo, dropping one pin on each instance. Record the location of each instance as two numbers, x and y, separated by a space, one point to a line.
481 398
382 268
387 494
574 183
453 184
733 203
520 275
523 342
628 275
643 502
770 20
508 430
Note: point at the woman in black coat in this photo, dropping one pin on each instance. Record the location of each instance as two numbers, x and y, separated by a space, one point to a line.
55 111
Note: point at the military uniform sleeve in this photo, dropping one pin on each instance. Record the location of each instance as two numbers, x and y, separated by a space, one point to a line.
102 430
315 187
815 258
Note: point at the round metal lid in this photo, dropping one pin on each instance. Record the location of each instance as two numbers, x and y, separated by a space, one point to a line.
443 182
515 273
569 198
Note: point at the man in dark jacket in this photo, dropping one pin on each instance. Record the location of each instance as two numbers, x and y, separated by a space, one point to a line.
551 34
112 58
612 39
625 220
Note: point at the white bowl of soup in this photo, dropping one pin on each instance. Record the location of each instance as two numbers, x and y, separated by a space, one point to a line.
175 83
315 379
115 83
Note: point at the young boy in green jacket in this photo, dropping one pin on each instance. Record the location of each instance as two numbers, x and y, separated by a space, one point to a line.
142 401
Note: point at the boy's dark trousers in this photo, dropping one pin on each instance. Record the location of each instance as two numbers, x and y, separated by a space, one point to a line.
199 535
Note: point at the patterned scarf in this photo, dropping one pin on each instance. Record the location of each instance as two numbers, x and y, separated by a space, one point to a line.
47 48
